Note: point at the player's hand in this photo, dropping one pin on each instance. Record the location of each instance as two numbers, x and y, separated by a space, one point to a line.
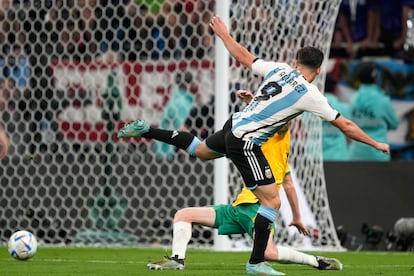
245 96
300 226
4 144
385 148
218 26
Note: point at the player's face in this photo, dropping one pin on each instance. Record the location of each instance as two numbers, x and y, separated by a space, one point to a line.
308 73
311 76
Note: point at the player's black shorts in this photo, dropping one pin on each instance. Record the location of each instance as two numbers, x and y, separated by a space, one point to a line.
247 156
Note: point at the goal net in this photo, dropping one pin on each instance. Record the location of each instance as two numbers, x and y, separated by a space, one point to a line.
73 72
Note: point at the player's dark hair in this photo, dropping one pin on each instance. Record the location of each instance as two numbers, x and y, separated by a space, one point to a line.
310 57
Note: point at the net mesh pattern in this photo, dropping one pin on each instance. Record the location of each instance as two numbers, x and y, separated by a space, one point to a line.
74 72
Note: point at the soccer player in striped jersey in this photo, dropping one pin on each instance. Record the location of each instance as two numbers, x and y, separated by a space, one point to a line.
238 217
284 93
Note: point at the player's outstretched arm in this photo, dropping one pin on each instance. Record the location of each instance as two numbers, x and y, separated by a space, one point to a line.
235 49
4 143
292 197
351 130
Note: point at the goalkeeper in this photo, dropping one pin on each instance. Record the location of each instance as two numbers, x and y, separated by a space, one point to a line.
238 218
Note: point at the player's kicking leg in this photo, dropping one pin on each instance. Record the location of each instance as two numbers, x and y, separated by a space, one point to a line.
134 129
180 139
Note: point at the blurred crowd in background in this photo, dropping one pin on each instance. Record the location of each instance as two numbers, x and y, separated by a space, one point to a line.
372 54
35 34
374 28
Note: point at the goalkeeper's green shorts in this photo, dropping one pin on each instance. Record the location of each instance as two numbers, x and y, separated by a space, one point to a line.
236 219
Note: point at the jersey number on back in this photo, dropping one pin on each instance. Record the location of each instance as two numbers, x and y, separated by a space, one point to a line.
271 89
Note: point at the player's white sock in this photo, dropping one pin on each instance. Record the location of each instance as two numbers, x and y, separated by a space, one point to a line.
181 238
286 254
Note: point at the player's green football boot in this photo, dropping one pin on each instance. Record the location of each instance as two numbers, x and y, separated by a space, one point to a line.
262 268
168 263
328 263
134 129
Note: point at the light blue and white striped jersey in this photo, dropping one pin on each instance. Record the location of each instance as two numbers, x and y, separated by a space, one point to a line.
283 95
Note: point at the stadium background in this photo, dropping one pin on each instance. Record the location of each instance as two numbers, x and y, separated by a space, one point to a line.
73 72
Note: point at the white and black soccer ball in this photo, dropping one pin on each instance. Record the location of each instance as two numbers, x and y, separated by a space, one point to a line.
22 245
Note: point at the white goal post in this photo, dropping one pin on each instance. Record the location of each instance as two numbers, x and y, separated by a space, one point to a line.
276 30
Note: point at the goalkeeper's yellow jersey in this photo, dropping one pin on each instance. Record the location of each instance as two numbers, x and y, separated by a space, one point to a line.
276 151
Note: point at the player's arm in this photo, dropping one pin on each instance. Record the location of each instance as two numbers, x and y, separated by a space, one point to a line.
235 49
292 197
351 130
320 107
4 143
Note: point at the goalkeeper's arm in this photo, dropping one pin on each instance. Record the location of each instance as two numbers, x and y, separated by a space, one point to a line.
292 197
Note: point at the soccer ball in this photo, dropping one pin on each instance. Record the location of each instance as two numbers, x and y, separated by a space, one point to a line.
22 245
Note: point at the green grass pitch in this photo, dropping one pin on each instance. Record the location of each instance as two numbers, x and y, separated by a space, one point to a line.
132 261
